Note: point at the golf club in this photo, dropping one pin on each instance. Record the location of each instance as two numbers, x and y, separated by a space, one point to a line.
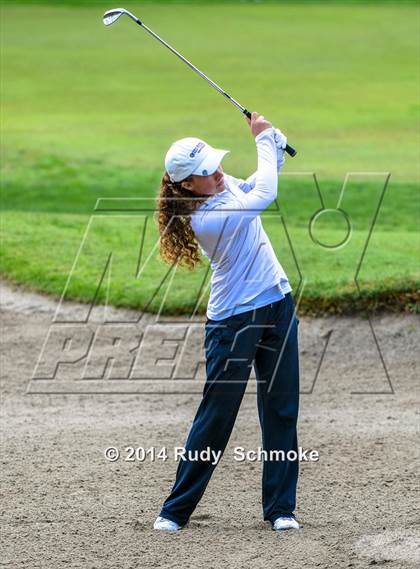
112 16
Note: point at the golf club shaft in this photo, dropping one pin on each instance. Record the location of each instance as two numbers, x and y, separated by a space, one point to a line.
289 149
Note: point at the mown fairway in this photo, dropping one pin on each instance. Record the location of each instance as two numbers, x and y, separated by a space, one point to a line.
89 113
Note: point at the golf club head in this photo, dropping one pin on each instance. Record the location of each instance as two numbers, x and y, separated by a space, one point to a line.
112 16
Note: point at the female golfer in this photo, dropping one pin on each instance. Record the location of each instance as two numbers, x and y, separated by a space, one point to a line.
251 317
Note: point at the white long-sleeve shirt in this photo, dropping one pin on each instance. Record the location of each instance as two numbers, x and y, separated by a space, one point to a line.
228 228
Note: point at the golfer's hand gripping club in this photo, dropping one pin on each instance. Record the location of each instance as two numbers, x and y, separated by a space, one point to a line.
289 149
258 123
112 16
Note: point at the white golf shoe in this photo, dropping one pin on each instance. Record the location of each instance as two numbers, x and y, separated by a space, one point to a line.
285 522
166 525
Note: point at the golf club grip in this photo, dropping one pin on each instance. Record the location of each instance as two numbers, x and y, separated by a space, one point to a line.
289 149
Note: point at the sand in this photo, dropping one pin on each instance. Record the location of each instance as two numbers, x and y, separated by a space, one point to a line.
66 505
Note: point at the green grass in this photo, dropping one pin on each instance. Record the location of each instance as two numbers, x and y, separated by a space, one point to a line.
41 239
90 3
89 113
340 81
49 262
121 235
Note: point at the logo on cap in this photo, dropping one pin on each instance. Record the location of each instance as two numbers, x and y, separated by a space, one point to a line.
197 149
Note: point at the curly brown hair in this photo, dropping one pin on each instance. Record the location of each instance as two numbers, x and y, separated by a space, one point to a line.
174 207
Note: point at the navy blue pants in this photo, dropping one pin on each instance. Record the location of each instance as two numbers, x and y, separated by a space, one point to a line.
267 338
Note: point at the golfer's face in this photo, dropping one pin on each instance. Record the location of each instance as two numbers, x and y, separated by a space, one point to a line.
208 185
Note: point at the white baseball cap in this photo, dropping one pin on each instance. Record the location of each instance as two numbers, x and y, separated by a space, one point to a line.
192 156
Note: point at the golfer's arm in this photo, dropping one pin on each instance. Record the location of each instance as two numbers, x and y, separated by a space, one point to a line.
249 184
227 222
264 181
